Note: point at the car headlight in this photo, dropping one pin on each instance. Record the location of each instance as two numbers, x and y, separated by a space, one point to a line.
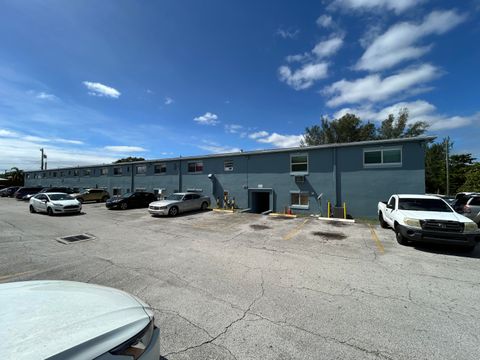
162 207
412 222
137 345
470 226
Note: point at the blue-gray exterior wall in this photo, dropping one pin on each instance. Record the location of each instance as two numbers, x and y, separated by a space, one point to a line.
336 172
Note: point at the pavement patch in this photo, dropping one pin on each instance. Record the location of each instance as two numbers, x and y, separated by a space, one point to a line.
330 235
259 227
71 239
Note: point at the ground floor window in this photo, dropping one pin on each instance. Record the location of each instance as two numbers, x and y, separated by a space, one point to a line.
299 200
117 191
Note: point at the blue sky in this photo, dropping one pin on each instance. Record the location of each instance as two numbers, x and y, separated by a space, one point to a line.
94 81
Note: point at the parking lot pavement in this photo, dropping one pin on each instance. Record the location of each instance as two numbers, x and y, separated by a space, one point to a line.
244 286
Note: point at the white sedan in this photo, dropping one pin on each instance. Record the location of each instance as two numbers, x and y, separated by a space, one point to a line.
54 203
76 321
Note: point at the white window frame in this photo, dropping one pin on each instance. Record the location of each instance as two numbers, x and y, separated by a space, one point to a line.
196 163
120 173
299 172
298 206
382 164
228 168
163 165
102 170
141 173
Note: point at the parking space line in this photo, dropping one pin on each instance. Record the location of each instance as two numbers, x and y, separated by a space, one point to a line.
377 241
295 231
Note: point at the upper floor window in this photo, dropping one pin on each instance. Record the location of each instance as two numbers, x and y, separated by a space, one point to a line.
141 169
160 168
28 176
104 171
195 167
379 157
299 163
54 174
228 165
76 172
86 172
117 170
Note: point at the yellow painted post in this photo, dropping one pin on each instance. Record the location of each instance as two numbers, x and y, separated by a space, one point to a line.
344 210
328 210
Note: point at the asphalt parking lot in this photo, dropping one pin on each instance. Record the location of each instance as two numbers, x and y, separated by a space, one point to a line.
244 286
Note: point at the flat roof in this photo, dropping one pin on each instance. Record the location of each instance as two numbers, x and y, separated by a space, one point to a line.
258 152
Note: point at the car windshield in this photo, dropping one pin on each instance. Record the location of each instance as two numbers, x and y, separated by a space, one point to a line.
174 197
127 195
423 205
60 197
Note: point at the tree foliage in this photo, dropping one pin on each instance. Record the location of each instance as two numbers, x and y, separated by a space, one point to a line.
350 128
472 179
435 168
129 159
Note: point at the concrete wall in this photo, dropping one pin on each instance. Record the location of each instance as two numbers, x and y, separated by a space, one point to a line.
336 172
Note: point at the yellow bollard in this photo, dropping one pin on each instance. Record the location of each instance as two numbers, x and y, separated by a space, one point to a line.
344 210
328 210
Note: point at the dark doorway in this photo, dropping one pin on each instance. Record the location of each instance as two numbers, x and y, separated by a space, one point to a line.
260 201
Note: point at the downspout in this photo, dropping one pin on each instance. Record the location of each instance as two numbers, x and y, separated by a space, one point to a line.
180 175
335 177
133 179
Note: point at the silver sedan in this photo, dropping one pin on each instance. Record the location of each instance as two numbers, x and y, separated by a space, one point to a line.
179 202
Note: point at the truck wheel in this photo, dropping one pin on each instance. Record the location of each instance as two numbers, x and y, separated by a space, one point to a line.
400 238
383 224
173 211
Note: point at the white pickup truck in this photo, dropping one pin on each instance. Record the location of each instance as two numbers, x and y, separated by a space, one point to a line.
427 218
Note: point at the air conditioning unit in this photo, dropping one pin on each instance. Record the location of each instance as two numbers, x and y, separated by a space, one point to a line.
299 179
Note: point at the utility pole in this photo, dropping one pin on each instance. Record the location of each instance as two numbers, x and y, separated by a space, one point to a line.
447 164
44 156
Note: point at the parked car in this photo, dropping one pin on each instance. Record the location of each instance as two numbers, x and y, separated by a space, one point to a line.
73 320
23 191
98 195
461 200
472 209
424 218
179 202
137 199
54 203
61 189
9 191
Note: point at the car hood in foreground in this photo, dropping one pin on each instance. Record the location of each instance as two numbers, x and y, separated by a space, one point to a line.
433 215
66 202
164 202
41 319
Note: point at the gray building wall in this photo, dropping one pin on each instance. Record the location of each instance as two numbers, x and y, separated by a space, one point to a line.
336 171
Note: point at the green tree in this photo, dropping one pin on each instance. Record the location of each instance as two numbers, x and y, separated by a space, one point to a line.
472 178
460 165
129 159
16 176
435 168
393 128
348 128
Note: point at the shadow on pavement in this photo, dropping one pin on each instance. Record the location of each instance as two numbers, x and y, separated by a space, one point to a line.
449 250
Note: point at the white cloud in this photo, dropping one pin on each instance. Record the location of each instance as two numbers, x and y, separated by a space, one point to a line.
233 128
296 57
124 149
258 134
325 21
398 6
276 140
304 77
288 33
68 141
45 96
35 138
7 133
168 100
328 47
98 89
399 42
373 88
207 119
219 149
418 110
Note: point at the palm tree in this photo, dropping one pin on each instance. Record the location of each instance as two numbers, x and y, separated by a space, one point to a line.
16 176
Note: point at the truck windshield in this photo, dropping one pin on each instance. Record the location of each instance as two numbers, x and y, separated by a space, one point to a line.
423 205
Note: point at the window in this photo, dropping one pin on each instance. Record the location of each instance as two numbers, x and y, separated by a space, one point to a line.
62 173
141 169
54 174
28 176
117 191
117 170
392 202
103 171
195 167
299 164
228 165
475 201
380 157
160 168
76 172
86 172
299 200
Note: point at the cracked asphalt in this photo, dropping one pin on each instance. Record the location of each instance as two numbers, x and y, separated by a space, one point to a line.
244 286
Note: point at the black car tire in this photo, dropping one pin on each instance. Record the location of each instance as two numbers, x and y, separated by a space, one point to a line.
400 238
383 224
204 206
49 211
124 206
32 209
173 211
